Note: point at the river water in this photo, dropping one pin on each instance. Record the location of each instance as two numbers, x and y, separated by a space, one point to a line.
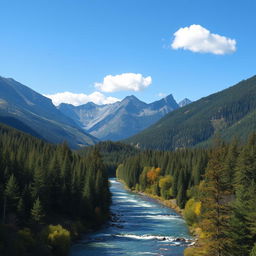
139 226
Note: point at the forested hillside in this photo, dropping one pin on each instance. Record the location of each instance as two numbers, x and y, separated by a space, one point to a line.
227 112
48 194
215 187
112 153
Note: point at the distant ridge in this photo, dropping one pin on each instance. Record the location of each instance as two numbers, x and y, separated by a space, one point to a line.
119 120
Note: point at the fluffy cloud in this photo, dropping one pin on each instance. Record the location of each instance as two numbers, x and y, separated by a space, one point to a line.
198 39
79 99
124 82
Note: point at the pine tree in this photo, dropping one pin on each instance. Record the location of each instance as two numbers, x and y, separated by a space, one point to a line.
215 205
37 213
181 196
242 231
54 185
175 183
12 194
21 212
38 185
230 163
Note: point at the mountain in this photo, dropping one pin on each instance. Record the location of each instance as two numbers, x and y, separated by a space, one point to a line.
29 111
13 122
231 112
184 102
119 120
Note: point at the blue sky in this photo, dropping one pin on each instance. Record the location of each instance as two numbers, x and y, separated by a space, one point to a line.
55 46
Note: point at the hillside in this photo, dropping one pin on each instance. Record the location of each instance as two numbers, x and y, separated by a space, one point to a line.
38 114
229 112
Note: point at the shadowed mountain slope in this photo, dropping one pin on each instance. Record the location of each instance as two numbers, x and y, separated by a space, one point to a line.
230 112
38 113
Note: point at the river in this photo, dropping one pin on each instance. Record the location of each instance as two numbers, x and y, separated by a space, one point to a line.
139 226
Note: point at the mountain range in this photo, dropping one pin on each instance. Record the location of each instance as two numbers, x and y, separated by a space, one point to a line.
229 113
119 120
163 124
31 112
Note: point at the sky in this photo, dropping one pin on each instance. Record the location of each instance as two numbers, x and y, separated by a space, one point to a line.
77 51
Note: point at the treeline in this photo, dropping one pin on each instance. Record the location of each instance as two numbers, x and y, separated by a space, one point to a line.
113 154
42 184
216 188
166 174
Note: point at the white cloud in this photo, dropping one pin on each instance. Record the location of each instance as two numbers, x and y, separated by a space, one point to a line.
81 98
161 94
198 39
124 82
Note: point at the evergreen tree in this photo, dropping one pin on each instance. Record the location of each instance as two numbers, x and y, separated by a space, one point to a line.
175 183
12 194
243 217
21 212
181 196
216 205
38 185
37 213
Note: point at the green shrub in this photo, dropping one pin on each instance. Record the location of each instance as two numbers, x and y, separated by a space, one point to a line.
194 251
192 211
58 238
165 185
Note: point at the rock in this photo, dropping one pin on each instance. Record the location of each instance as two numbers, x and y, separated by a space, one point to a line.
180 239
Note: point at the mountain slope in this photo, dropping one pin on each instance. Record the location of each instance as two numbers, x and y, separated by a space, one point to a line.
121 119
13 122
39 114
229 112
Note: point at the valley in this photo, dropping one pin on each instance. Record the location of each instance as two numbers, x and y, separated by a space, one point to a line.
187 159
127 128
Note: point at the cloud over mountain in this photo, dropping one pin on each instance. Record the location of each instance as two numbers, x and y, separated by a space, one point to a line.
198 39
124 82
77 99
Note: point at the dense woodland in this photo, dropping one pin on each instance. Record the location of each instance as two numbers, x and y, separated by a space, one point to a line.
48 195
112 153
215 187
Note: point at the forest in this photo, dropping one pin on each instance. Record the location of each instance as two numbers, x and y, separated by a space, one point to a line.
112 153
214 187
48 195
